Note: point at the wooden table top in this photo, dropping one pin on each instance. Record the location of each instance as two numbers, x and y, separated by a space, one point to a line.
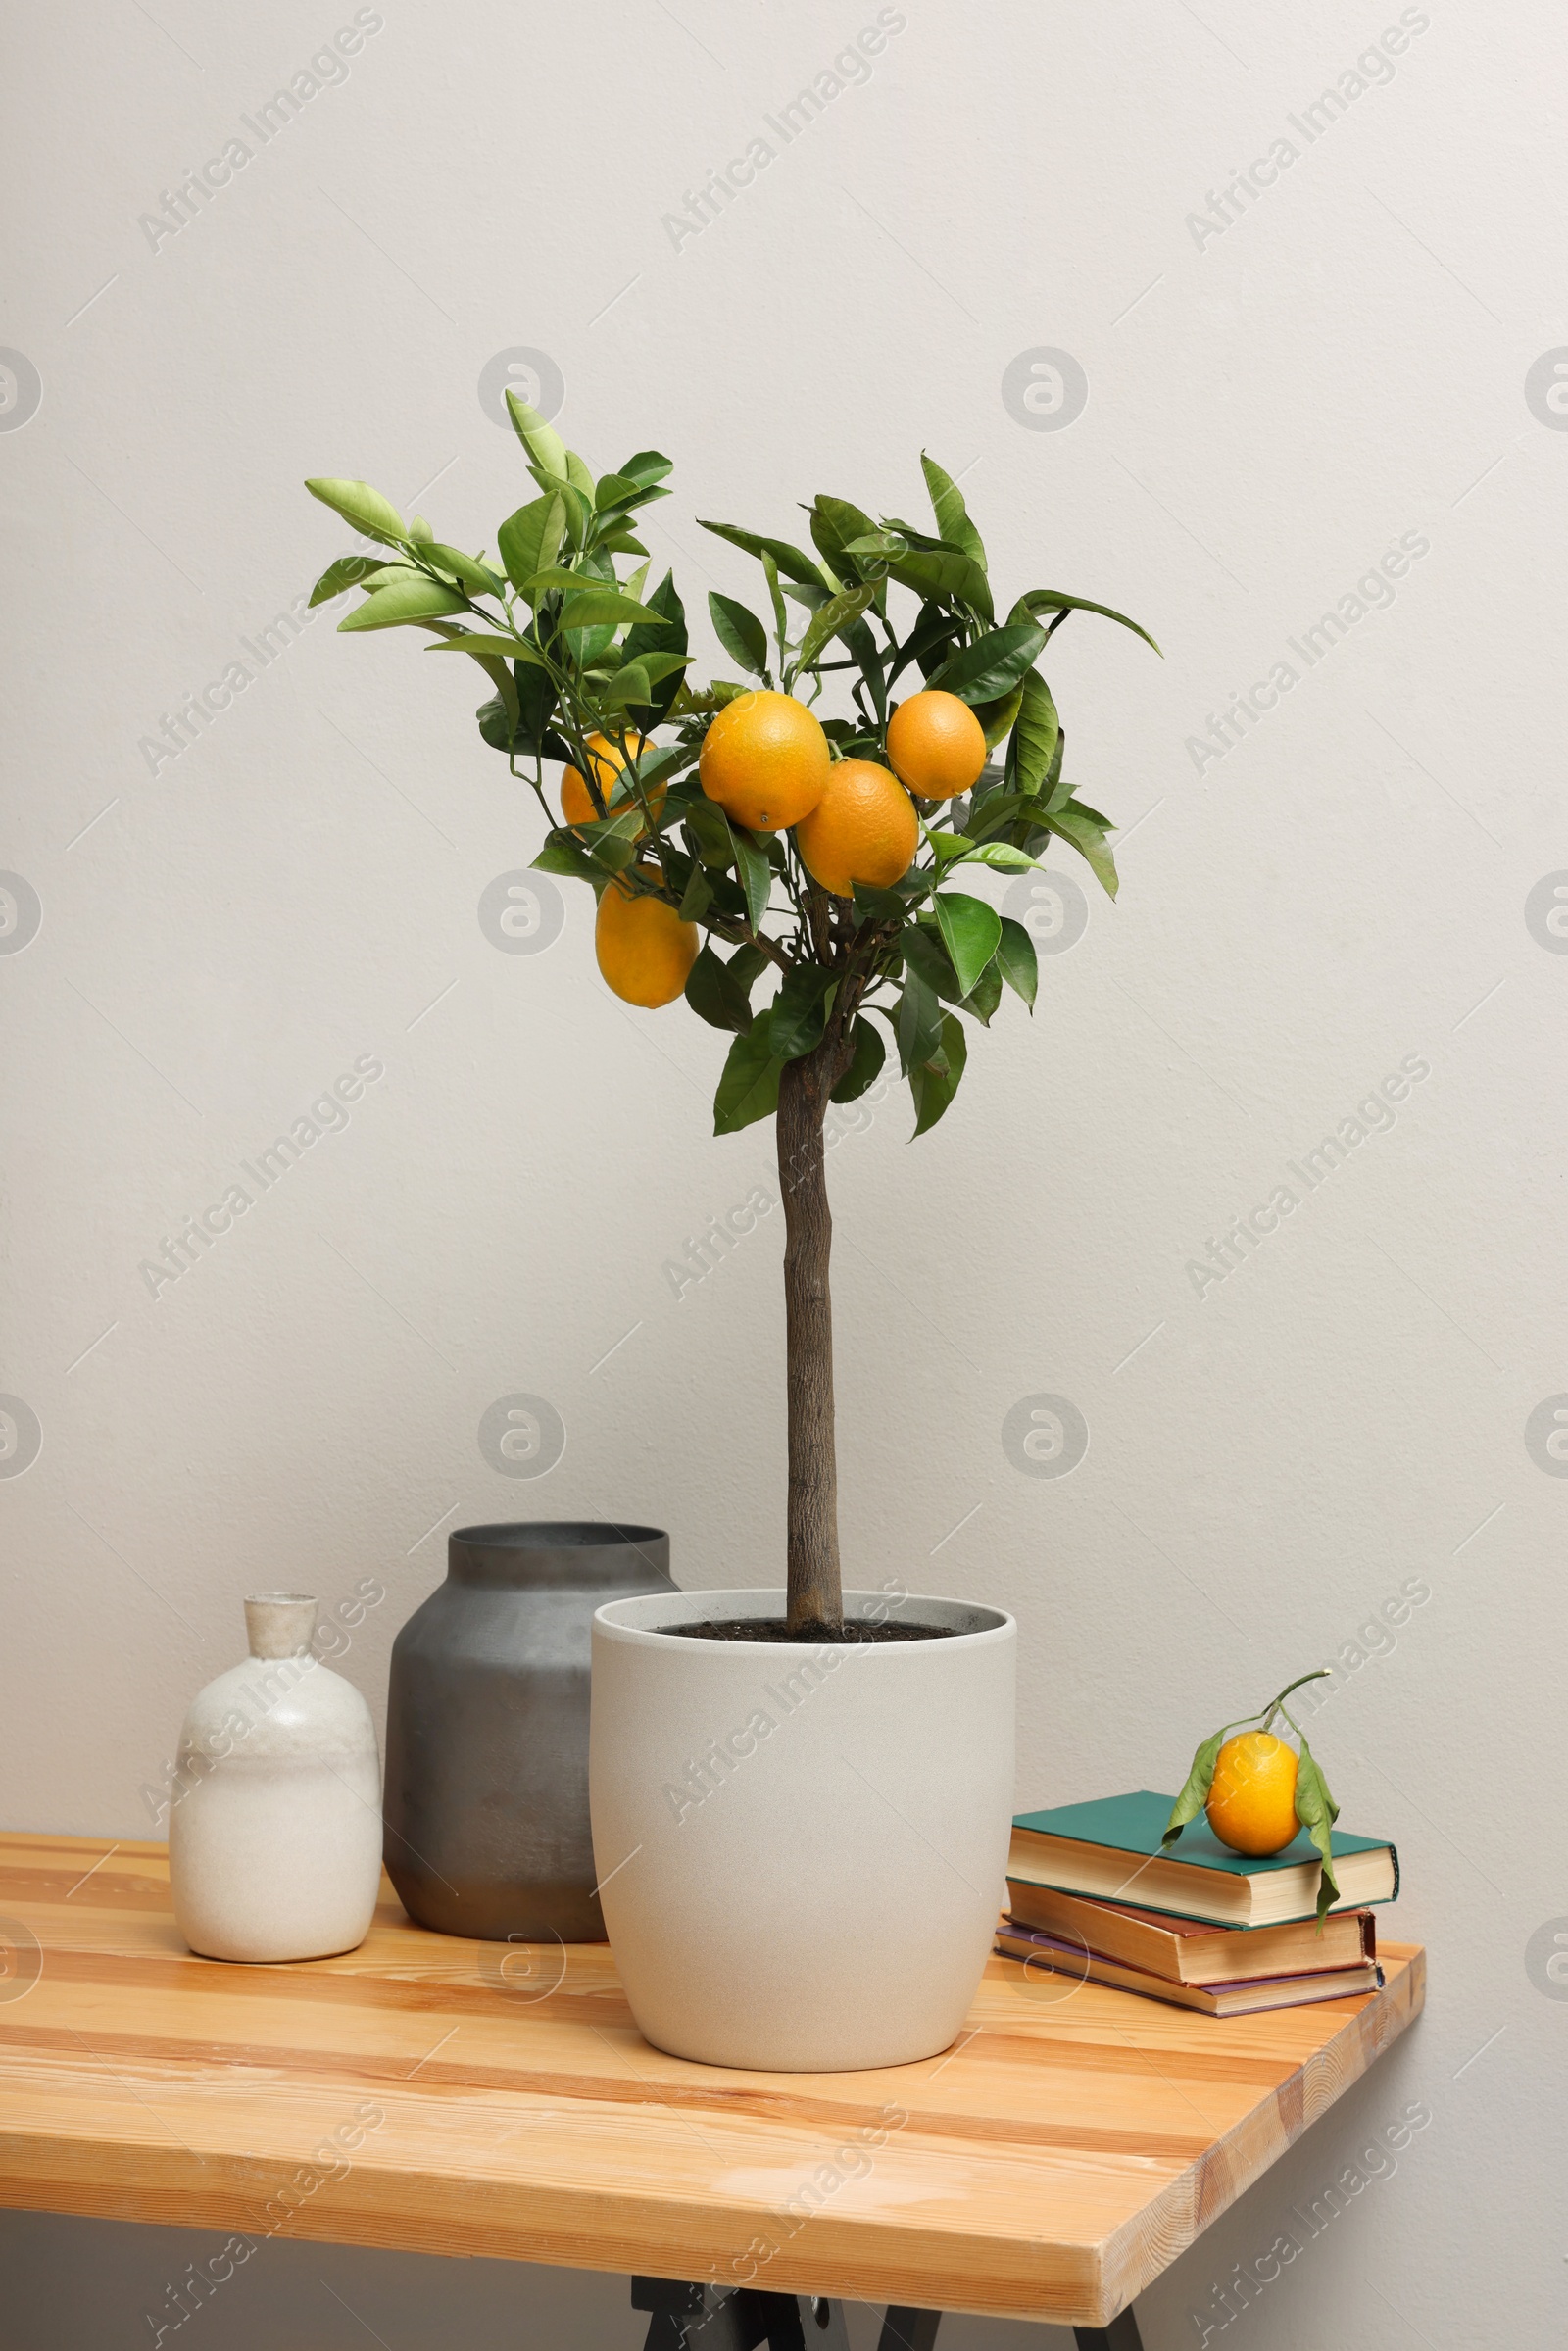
1060 2155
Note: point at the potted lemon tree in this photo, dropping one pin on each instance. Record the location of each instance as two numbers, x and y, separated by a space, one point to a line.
779 1779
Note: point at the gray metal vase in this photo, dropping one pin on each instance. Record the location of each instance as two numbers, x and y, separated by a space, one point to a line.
486 1797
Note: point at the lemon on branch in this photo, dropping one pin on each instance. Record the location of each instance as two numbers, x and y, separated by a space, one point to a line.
1256 1792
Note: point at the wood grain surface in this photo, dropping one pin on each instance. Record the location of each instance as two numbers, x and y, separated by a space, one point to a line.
452 2097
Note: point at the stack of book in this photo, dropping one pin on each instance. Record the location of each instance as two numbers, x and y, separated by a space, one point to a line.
1092 1897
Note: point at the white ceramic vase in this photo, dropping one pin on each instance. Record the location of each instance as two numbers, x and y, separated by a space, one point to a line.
801 1851
275 1825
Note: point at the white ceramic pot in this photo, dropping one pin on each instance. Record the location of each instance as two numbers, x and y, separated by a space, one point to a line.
274 1822
801 1849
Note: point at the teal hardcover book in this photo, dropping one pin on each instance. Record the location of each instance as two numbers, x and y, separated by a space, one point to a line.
1110 1849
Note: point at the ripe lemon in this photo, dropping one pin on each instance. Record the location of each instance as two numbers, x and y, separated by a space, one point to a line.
936 744
1251 1804
863 829
765 760
644 949
603 757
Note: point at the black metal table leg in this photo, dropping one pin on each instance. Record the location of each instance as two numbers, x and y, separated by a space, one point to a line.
1120 2335
695 2318
906 2329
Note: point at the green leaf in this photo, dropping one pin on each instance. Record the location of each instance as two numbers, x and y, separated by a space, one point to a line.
665 636
529 540
871 663
1049 599
563 852
1036 734
1317 1813
464 567
866 1066
698 895
635 584
756 872
800 1010
933 1089
579 512
924 953
562 580
610 849
984 996
1055 791
1017 962
648 466
652 763
790 561
748 1090
872 905
740 632
918 1027
631 683
581 480
993 665
711 838
997 811
621 492
541 440
666 632
536 694
1195 1788
835 521
368 512
997 717
780 617
971 933
953 516
922 540
597 607
747 964
412 599
928 643
1089 839
717 992
498 726
999 853
728 896
659 666
521 734
830 620
342 575
487 647
879 543
944 578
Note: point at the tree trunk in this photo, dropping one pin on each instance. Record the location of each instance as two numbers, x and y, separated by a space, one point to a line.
815 1589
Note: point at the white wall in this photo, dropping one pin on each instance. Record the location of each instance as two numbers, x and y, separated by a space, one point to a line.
1271 407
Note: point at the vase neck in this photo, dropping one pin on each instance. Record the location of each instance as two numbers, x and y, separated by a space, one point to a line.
281 1624
576 1555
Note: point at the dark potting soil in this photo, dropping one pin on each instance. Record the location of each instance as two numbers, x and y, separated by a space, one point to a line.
849 1635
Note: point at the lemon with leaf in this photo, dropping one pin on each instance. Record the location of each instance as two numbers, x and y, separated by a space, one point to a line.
1258 1791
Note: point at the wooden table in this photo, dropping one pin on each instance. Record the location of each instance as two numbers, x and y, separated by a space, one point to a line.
466 2098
